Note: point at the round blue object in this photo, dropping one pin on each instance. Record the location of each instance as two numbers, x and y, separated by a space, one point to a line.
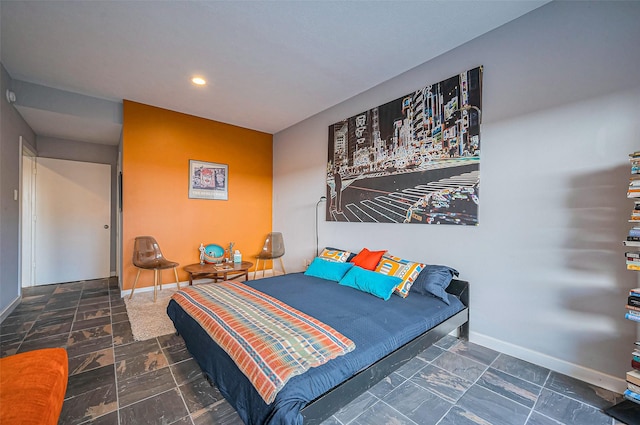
213 253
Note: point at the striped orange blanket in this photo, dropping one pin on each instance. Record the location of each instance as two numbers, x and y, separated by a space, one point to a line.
268 340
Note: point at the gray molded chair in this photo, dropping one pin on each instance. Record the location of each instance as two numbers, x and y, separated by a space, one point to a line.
148 256
273 248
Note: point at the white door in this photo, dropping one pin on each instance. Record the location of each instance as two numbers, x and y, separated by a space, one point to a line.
73 207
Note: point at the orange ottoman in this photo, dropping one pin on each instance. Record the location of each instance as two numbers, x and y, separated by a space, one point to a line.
32 386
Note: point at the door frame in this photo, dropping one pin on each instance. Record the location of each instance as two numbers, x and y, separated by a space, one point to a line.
25 243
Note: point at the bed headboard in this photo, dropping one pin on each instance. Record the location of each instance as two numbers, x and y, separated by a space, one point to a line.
460 288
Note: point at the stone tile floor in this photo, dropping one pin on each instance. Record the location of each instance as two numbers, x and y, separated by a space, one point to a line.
114 380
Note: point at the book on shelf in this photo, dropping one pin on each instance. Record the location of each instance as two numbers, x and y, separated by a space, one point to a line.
635 293
635 364
633 300
634 313
632 307
630 395
628 315
633 387
635 154
633 266
631 243
633 376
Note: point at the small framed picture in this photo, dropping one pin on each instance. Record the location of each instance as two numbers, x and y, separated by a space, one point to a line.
208 180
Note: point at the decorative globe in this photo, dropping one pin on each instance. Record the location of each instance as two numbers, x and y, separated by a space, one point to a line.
213 253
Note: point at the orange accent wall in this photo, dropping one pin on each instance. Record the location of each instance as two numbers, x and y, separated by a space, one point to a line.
157 145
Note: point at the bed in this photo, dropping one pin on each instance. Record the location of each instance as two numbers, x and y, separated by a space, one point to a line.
387 334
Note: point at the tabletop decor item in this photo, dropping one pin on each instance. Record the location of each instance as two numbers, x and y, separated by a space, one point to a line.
213 254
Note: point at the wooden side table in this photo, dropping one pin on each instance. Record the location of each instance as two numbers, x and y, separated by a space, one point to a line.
222 271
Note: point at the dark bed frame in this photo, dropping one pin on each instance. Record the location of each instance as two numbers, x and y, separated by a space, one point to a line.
329 403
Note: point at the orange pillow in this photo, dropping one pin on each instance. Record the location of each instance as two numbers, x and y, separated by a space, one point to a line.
368 259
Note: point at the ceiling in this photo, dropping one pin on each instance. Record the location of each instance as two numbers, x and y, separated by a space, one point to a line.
269 64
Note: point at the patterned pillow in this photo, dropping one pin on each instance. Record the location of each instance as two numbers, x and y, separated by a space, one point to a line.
406 270
336 255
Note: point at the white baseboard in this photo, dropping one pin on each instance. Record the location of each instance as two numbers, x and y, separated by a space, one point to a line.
9 309
126 292
582 373
267 273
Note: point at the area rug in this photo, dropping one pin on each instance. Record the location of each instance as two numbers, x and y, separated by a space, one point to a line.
148 319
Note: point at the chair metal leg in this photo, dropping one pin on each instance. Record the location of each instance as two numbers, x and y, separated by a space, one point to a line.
155 283
160 278
134 284
255 270
175 271
282 265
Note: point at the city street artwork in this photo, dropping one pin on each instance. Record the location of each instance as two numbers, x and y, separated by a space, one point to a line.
415 159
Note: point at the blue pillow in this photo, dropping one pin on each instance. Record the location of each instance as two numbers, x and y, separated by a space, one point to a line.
326 269
374 283
434 280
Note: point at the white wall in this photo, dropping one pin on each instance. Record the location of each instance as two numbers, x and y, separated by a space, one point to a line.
546 263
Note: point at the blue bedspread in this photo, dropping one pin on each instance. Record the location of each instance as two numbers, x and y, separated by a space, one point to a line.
377 328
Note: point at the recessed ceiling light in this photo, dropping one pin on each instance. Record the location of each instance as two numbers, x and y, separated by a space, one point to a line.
198 81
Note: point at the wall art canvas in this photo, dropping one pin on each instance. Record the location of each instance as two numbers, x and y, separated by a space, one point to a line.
208 180
415 159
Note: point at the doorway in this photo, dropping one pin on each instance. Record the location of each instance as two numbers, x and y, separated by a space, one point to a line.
72 218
